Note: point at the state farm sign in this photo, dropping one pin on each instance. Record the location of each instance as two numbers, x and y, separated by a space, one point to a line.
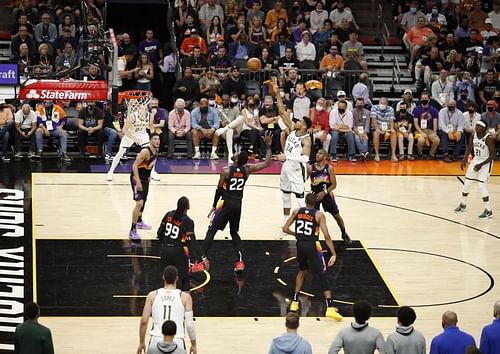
65 90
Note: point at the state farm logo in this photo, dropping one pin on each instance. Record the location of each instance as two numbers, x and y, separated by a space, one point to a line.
57 95
33 94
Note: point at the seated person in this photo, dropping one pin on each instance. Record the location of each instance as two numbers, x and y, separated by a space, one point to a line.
341 124
90 123
268 117
403 121
6 130
179 127
320 120
204 122
425 123
382 122
25 120
51 120
112 130
231 122
451 128
160 117
251 126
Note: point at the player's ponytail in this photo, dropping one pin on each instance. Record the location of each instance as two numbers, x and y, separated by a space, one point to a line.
182 206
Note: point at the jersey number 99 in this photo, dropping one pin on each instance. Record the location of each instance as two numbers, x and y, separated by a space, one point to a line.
171 231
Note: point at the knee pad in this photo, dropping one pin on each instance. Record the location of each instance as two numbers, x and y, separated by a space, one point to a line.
287 200
323 282
483 189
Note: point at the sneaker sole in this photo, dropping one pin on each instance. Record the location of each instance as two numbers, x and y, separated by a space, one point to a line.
486 218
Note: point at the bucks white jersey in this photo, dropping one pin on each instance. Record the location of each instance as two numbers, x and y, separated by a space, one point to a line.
168 306
293 145
140 121
481 151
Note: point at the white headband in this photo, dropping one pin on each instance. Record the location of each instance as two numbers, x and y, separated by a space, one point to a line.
481 123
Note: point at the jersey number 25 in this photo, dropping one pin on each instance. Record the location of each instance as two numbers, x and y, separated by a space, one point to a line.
304 227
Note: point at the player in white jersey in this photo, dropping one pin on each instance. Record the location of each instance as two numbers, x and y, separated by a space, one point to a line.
134 131
296 156
479 168
168 303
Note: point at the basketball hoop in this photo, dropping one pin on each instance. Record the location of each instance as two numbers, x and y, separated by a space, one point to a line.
136 101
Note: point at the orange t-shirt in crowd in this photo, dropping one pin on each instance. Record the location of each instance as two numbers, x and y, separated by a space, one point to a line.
337 62
272 18
188 44
416 35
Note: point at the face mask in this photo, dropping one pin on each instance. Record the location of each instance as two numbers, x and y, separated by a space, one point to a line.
425 102
319 108
491 109
341 110
413 10
204 109
250 104
382 106
282 94
463 97
434 11
471 111
403 110
211 103
234 100
451 109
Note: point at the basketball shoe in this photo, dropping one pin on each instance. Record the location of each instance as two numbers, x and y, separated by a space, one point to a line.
461 208
134 235
239 267
196 267
143 226
486 214
331 312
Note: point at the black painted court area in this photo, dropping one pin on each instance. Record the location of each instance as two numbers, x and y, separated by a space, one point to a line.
111 278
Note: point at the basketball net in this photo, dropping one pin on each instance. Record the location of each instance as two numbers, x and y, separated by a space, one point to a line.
137 103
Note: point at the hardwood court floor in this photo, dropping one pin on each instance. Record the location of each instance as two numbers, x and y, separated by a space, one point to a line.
428 255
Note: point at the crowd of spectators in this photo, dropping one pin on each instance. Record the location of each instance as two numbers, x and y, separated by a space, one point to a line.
215 99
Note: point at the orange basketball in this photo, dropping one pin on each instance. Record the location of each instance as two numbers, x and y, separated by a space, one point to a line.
254 65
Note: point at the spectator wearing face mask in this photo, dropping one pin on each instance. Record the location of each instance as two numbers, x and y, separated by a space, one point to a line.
320 124
492 117
451 128
382 119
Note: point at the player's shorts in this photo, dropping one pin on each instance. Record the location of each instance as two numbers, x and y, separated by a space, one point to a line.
177 256
480 176
142 140
292 177
139 195
310 256
154 340
226 211
329 204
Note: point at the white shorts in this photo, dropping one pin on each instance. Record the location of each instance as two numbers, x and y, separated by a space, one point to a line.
480 176
142 140
293 177
155 339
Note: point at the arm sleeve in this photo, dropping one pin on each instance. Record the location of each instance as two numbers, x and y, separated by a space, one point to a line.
192 243
218 194
190 325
